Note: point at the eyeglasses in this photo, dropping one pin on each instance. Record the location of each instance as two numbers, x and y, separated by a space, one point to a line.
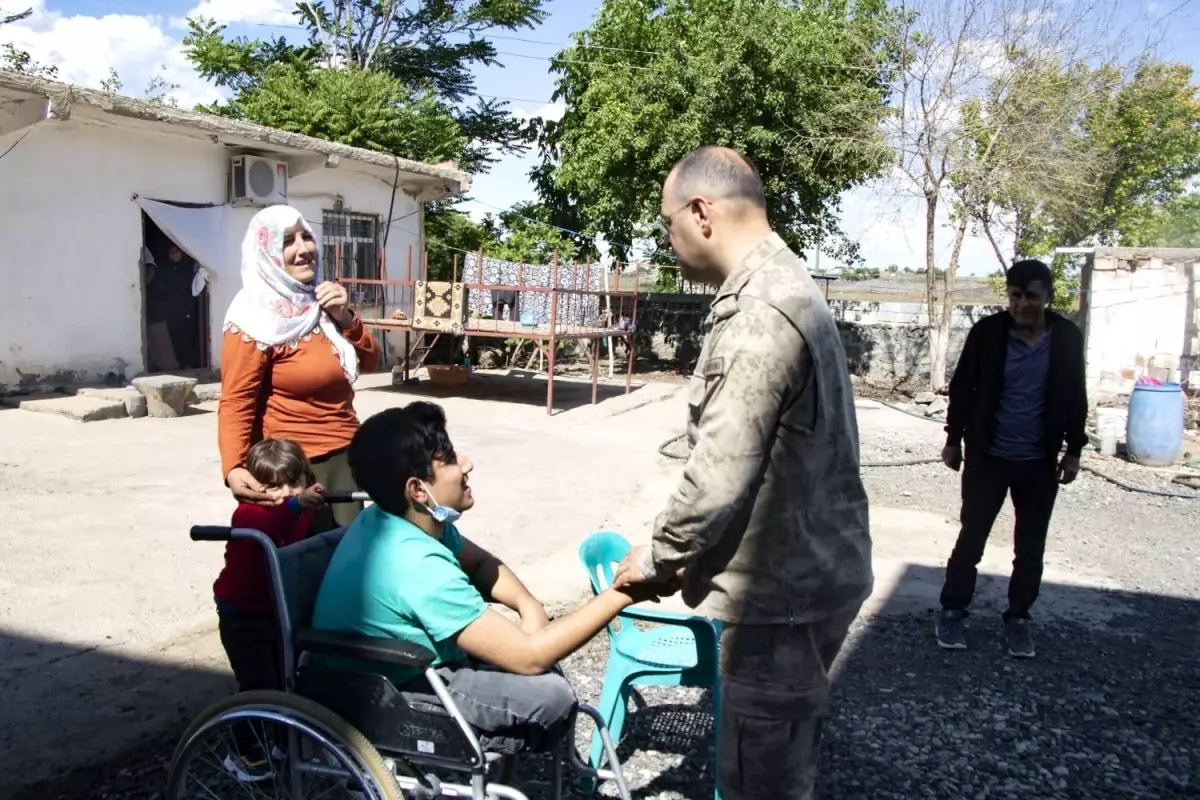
663 223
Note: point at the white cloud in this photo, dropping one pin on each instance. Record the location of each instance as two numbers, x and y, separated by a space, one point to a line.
267 12
84 48
549 111
888 222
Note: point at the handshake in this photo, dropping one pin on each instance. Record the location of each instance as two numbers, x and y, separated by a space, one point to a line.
631 577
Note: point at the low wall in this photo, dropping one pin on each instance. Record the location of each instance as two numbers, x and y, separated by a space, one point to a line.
885 341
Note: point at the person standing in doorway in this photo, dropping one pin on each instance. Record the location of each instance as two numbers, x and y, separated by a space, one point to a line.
182 307
160 351
769 525
1018 394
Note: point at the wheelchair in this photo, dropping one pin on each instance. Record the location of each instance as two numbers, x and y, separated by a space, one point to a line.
342 733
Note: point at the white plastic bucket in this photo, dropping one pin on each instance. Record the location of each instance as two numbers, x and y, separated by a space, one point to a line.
1110 425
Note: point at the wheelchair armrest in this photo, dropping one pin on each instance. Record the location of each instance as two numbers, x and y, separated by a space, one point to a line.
366 648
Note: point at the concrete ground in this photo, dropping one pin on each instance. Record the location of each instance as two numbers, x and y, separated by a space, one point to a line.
108 639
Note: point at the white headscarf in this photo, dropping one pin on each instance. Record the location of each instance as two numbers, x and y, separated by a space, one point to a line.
273 309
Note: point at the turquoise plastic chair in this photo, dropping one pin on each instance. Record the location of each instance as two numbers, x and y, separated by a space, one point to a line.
681 651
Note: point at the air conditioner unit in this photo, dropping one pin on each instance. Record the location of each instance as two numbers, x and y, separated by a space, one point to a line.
257 181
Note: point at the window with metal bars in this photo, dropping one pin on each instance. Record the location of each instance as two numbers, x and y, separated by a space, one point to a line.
356 236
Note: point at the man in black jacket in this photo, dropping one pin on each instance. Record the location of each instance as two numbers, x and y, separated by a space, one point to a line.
1017 395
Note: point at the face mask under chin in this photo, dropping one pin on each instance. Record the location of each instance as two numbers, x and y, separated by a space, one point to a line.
440 513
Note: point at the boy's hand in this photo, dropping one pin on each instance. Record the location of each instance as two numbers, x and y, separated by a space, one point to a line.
312 497
645 590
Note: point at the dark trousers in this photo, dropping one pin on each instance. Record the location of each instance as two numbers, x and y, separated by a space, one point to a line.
774 698
251 642
333 472
985 483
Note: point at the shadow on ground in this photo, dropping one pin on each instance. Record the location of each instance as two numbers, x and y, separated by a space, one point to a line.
514 386
1108 710
68 708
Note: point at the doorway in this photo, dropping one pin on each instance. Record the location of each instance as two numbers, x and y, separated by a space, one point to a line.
176 307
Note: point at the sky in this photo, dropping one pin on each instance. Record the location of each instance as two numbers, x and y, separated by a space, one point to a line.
141 39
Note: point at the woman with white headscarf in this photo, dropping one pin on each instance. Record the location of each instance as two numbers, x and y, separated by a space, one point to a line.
291 353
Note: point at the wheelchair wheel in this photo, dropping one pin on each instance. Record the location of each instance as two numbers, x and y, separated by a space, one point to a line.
276 745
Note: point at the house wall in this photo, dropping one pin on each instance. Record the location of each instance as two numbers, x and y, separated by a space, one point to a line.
1139 321
73 300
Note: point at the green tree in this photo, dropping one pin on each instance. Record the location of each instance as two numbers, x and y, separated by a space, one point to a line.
414 43
354 106
6 17
995 106
1125 155
1174 224
16 60
1138 136
513 235
798 87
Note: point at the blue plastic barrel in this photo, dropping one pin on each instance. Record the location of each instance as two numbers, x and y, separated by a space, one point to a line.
1154 432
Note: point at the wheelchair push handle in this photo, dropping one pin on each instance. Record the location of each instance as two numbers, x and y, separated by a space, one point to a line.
211 533
345 497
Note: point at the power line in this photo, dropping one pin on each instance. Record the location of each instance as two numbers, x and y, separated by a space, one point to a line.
586 63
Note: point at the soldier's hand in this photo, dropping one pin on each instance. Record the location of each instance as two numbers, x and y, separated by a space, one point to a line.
952 457
630 571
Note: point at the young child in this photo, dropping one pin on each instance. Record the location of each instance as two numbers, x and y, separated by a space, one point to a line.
245 603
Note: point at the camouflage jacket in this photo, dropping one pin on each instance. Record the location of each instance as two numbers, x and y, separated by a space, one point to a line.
770 518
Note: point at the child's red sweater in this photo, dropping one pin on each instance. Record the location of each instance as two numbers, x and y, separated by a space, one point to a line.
245 584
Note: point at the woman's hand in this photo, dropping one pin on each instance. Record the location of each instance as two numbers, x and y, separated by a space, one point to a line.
334 298
247 490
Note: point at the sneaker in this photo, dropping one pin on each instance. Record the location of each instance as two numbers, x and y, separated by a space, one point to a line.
952 630
1019 637
247 770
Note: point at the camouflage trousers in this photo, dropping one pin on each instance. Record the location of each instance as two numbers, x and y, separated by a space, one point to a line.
774 696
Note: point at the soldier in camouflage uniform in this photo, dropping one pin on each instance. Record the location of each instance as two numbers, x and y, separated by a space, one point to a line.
769 523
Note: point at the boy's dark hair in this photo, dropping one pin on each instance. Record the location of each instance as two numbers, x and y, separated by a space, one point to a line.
396 445
279 462
1025 272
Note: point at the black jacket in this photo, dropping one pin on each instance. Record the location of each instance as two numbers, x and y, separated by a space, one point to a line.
979 379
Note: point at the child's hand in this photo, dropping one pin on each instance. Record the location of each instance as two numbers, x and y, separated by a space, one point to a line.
312 497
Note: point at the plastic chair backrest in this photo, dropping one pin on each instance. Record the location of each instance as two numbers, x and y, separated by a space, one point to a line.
302 567
601 553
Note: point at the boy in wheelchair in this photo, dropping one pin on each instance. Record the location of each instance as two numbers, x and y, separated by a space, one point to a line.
404 571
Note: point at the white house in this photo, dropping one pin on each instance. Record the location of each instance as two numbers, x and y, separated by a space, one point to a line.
86 177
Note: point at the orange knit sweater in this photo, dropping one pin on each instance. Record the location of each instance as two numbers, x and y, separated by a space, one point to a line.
299 394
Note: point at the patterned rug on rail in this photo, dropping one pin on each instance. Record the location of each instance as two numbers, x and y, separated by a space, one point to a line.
438 306
573 309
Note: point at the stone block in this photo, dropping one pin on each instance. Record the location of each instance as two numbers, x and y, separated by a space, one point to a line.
925 398
206 393
80 407
166 395
135 402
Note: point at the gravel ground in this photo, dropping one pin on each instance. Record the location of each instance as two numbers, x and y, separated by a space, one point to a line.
1108 711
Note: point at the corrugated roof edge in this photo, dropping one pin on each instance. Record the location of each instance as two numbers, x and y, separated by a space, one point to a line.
61 95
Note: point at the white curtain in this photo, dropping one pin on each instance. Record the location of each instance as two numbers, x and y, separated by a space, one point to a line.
202 233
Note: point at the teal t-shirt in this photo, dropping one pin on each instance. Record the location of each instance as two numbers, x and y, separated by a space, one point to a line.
390 579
